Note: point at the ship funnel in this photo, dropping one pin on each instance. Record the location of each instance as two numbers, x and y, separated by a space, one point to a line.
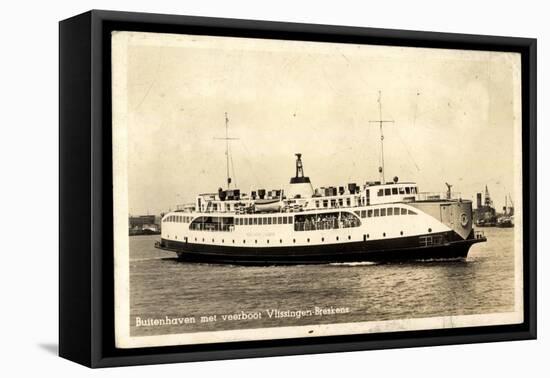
300 185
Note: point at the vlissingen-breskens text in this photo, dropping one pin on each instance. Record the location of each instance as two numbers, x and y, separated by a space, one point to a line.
316 311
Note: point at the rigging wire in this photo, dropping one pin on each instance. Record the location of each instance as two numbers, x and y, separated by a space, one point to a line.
248 161
232 168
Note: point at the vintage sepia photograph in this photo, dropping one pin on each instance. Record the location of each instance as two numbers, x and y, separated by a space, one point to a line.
273 189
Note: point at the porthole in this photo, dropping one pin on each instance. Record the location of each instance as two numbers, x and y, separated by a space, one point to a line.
384 234
244 241
294 240
195 239
349 237
176 237
223 241
267 241
429 230
308 240
233 241
368 236
337 238
401 232
255 241
203 240
281 241
322 239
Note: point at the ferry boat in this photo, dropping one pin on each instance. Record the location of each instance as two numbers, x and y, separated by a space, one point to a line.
373 221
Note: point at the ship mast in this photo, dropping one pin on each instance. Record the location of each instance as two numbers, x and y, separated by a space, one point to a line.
381 122
227 139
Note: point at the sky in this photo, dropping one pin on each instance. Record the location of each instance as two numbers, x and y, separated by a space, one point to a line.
455 112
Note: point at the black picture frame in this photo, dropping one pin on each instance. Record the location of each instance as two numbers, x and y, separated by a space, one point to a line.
86 272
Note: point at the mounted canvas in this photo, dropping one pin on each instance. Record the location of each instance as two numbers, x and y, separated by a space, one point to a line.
264 188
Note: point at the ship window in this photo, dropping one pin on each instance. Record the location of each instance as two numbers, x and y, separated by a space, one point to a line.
393 190
317 203
340 202
290 220
413 190
332 203
280 220
401 190
395 211
348 202
380 192
390 211
376 212
357 212
255 221
410 212
285 220
387 192
325 203
369 213
408 190
403 211
382 212
269 220
363 213
245 221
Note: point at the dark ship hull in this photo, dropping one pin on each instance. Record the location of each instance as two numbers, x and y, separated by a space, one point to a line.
449 246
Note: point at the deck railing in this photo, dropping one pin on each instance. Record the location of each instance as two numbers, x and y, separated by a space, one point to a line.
326 225
436 196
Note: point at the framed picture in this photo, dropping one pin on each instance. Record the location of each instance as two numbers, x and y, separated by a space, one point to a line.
233 188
